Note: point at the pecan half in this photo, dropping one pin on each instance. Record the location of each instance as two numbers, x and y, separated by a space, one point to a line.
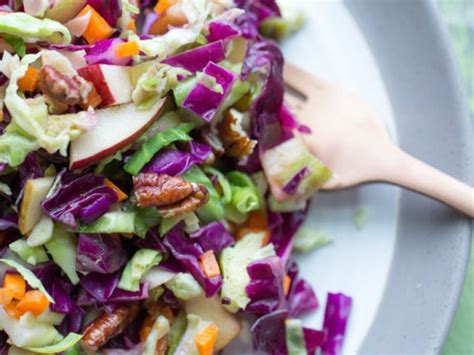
59 87
63 90
107 326
171 195
198 198
237 143
160 189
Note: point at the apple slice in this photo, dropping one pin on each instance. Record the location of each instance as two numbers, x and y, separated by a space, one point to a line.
211 309
117 127
30 210
112 82
64 10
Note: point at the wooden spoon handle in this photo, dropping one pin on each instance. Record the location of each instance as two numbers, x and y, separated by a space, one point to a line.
404 170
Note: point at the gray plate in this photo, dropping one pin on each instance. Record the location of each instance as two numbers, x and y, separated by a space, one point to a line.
406 268
433 242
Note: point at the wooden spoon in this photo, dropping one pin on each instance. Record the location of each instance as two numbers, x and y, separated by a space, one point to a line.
349 137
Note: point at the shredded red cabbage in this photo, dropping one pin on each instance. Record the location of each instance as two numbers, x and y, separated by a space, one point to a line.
222 30
198 58
99 253
213 236
338 309
78 198
265 288
187 252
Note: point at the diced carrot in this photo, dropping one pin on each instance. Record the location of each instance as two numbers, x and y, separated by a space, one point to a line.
161 26
163 5
33 301
12 311
127 49
16 283
206 340
132 25
1 116
120 194
256 219
209 264
30 81
286 284
97 28
6 296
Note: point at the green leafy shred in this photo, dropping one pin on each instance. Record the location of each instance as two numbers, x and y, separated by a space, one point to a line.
307 240
295 337
223 183
361 216
184 286
32 255
142 261
177 330
245 195
62 247
31 28
17 43
213 210
68 342
160 140
135 221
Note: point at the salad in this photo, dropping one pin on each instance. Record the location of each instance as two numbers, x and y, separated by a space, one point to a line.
153 181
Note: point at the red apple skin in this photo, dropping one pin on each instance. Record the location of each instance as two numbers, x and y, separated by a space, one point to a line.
94 158
93 73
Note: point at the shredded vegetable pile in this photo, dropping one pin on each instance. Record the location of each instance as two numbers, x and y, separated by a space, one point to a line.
153 181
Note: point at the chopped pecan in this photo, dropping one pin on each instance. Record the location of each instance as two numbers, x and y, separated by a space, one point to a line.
62 90
107 326
198 198
160 189
59 87
171 195
237 143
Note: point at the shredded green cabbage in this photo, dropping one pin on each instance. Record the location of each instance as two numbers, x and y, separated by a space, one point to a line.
307 239
234 261
184 286
176 332
152 146
156 82
53 133
213 210
32 29
15 146
68 342
28 331
62 247
32 255
295 343
142 261
160 328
